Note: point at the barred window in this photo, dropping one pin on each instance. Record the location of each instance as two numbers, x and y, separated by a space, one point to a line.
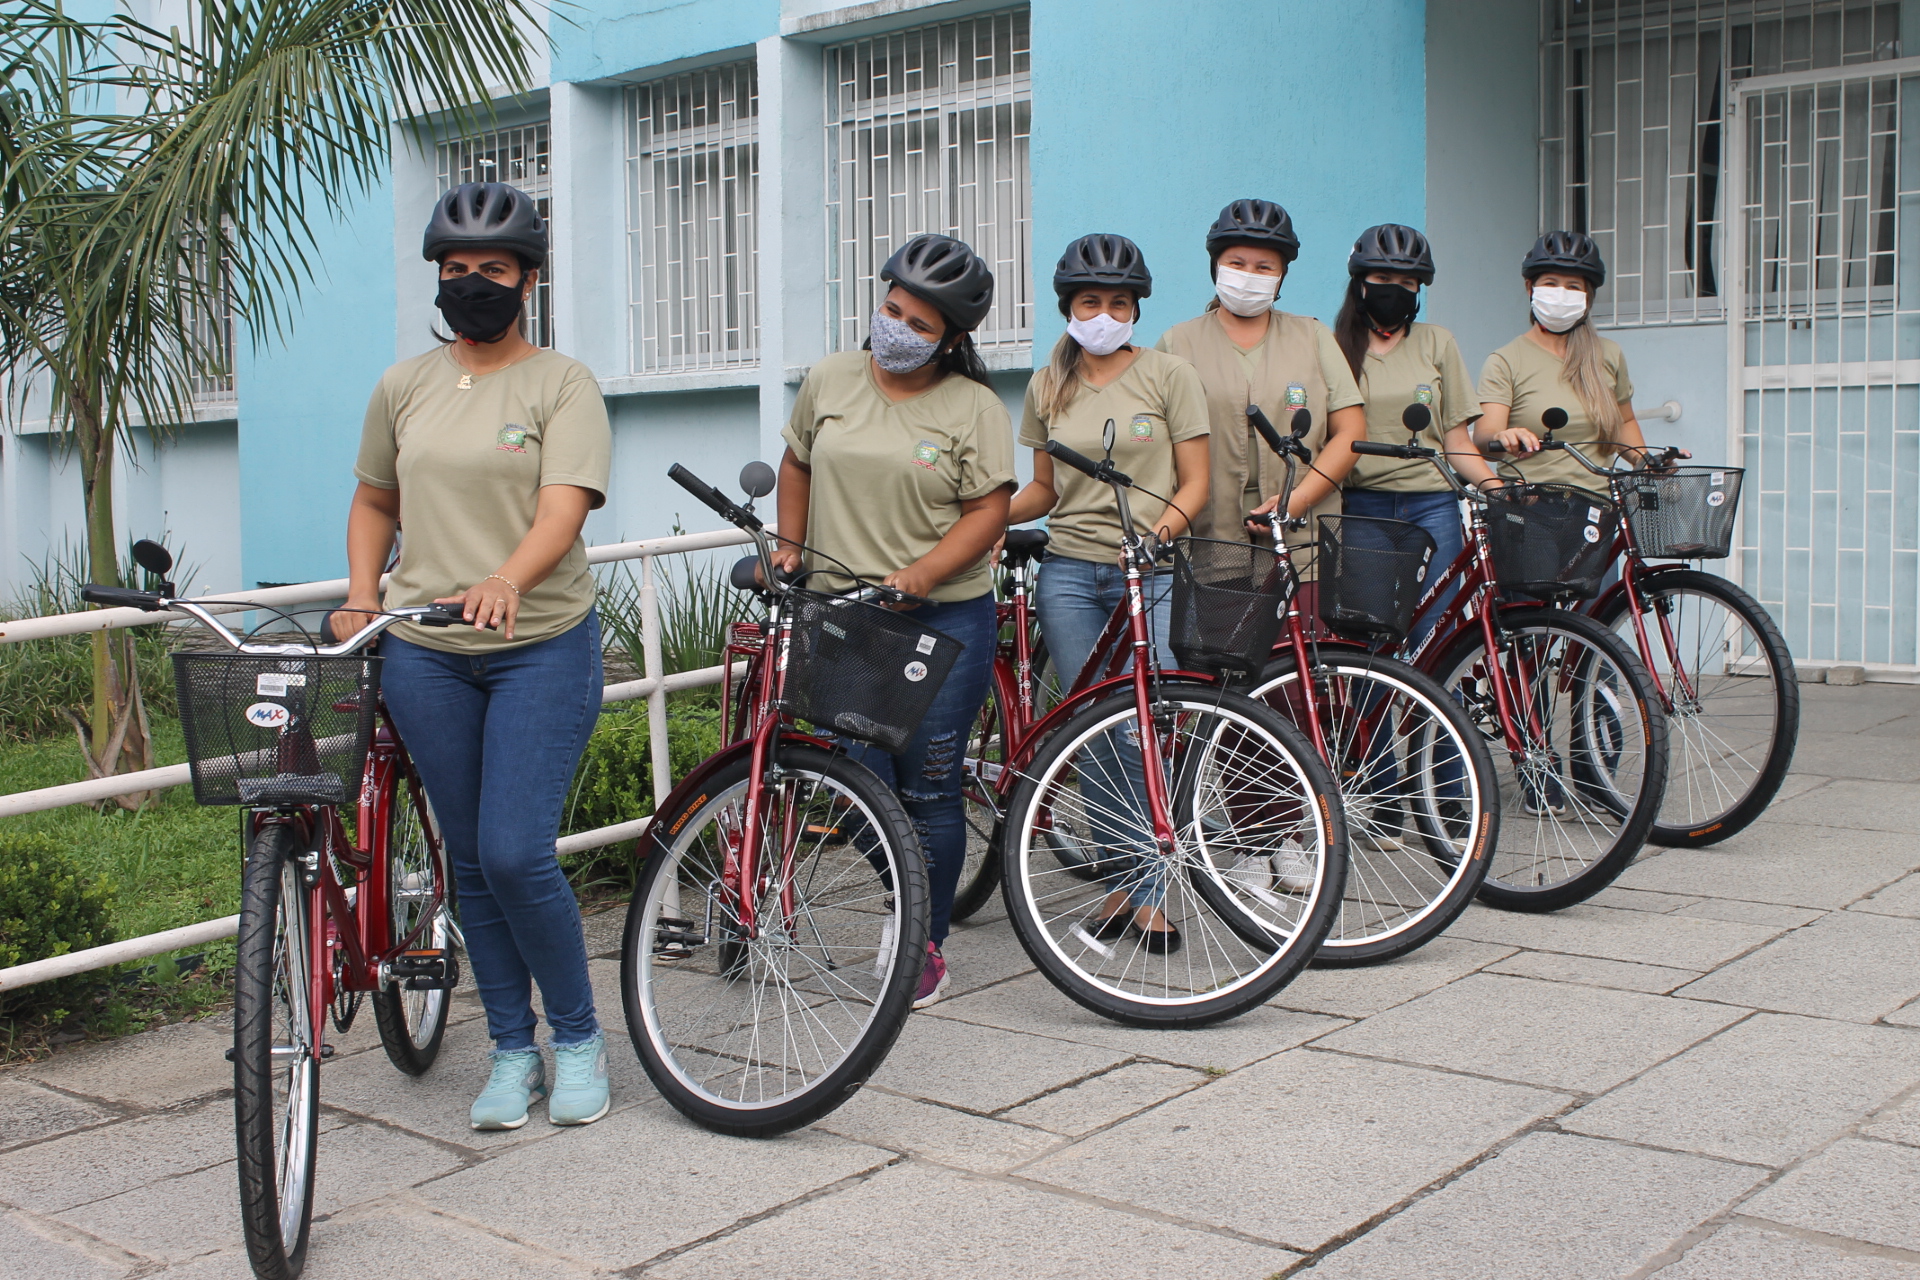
693 191
518 157
927 130
212 318
1633 113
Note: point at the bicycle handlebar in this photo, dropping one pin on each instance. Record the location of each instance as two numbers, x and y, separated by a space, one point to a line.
1376 449
1258 421
121 598
1103 471
426 615
723 506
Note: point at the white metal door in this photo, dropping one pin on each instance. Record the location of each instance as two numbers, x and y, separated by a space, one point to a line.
1824 356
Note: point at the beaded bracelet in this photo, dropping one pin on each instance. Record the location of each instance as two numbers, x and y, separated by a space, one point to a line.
508 581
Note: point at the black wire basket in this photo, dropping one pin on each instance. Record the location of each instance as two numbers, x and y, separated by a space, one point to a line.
861 671
1229 601
1370 572
1551 541
276 731
1683 514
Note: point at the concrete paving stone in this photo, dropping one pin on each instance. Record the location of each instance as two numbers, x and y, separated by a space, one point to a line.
1033 1005
1900 1124
1297 1149
1901 898
1120 1093
1641 900
1592 972
157 1068
950 1137
1750 913
1845 965
1766 1091
1614 1209
29 1113
1742 1252
1792 866
914 1220
52 1176
979 955
50 1251
1612 934
604 930
1359 993
1907 1015
1861 1190
657 1182
1845 802
985 1069
1836 709
1798 784
1552 1034
1843 755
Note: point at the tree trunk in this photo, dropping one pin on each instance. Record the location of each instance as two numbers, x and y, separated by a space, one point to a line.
115 737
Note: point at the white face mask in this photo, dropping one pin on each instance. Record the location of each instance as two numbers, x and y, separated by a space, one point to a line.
1244 293
1557 309
1102 335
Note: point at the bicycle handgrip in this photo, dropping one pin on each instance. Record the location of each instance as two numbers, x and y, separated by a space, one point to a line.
1087 466
441 615
726 508
1375 448
120 598
1258 421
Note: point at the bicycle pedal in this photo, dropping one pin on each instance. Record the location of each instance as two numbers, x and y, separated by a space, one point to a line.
675 939
425 970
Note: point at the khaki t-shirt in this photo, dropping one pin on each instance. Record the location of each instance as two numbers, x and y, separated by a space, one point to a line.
1156 403
469 463
1526 377
889 477
1425 368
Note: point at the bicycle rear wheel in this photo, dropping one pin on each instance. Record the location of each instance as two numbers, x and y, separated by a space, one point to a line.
1579 799
986 790
276 1064
1420 794
413 1023
1734 701
757 1035
1243 788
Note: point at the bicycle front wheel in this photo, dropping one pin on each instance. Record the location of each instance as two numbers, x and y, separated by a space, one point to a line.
276 1064
1420 793
1733 701
1583 778
413 1023
757 1031
1250 883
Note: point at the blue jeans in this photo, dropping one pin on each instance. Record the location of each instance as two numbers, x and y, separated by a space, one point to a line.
933 763
1438 514
496 739
1074 599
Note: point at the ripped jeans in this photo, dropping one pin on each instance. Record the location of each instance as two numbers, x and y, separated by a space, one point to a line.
927 774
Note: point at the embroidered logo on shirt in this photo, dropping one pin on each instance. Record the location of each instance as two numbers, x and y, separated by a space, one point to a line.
1142 427
512 438
1296 396
926 454
1423 393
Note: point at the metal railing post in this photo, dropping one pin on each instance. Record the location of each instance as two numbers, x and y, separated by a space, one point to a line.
652 668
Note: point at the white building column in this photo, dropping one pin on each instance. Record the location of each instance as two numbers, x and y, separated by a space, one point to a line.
792 227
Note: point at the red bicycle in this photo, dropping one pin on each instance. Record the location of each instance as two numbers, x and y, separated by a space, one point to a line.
346 891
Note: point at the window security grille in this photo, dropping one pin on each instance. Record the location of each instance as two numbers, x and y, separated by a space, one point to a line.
1633 102
927 130
693 191
212 316
518 157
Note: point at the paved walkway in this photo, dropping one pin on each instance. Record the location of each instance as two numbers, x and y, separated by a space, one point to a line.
1710 1072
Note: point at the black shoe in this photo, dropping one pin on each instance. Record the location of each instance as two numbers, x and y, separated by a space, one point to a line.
1162 942
1113 926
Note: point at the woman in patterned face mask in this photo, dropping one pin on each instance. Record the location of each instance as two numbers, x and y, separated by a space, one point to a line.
899 468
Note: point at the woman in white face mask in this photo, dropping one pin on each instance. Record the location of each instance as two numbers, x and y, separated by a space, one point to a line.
1249 353
1559 363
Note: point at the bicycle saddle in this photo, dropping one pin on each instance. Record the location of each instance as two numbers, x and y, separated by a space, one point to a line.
1023 544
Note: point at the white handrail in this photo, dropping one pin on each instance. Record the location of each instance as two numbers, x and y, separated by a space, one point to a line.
653 686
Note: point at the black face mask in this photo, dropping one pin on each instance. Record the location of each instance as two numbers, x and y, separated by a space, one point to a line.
1388 306
478 309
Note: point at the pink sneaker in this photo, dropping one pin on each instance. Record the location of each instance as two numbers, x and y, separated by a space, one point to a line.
933 979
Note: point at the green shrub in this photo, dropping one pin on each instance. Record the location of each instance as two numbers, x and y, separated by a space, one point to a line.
48 907
614 782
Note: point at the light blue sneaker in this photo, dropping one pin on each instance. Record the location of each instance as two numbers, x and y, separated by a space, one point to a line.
580 1093
519 1078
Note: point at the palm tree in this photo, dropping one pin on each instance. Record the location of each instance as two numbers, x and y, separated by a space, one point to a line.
150 179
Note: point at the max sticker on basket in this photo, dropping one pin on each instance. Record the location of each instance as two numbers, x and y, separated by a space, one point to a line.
268 715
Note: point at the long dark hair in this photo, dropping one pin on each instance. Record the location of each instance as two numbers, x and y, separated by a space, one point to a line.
962 357
1350 327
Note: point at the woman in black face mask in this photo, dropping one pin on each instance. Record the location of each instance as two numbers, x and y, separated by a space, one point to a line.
1399 362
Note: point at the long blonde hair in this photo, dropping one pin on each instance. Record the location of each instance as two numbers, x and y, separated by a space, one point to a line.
1585 370
1060 380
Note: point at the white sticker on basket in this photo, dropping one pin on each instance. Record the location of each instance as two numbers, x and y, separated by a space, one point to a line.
1717 478
268 715
269 685
916 671
1591 534
926 644
1715 499
1593 515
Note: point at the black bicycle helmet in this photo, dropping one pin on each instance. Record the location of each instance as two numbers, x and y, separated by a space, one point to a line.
947 274
1260 222
1392 247
486 213
1103 261
1571 251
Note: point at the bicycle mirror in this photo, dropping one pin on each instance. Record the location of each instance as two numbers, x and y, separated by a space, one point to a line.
757 479
1554 419
152 557
1416 418
1106 437
1302 422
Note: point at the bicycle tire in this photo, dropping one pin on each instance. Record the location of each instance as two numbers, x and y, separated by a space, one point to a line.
413 1023
275 1135
1614 752
1689 817
686 1002
1415 857
1279 787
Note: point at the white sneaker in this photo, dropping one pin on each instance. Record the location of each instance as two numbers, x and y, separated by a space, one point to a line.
1292 868
1251 873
